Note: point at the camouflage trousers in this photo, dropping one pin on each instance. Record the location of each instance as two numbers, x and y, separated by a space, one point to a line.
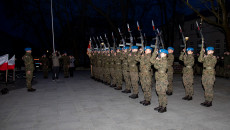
107 75
112 74
45 72
146 83
101 73
161 88
95 72
227 71
170 81
208 83
66 70
134 82
188 83
29 77
127 79
118 77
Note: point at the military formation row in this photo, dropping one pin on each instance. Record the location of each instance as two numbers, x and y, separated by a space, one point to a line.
134 65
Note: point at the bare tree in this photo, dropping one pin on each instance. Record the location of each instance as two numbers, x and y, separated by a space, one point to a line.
221 15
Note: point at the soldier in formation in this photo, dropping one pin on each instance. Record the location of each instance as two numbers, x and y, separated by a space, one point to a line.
170 70
29 68
45 66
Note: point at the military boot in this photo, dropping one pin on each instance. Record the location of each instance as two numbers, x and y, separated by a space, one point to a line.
31 90
162 110
209 104
169 93
204 103
189 98
142 102
118 88
134 96
185 98
146 103
157 108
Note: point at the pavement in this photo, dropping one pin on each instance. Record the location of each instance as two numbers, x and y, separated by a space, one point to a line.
80 103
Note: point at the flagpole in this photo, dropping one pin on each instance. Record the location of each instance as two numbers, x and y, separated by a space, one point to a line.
52 25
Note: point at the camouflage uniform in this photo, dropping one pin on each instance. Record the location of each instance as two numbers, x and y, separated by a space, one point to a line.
112 70
161 78
208 76
187 73
102 67
66 61
99 65
45 66
170 73
133 68
107 69
118 71
125 68
145 75
29 67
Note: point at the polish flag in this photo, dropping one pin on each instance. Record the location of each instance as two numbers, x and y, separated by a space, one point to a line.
3 62
11 63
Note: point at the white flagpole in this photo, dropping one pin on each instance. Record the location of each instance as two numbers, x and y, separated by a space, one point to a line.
52 25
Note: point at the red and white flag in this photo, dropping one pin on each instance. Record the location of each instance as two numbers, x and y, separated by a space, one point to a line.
11 63
3 62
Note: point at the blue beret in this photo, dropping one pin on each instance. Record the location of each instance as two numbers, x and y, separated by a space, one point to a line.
171 48
125 48
163 51
189 49
210 48
134 47
118 48
148 47
28 49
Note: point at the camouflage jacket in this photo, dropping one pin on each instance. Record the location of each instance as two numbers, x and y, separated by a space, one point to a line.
117 60
28 61
111 61
132 62
99 58
161 65
170 62
145 64
66 60
45 62
125 65
107 62
188 62
209 63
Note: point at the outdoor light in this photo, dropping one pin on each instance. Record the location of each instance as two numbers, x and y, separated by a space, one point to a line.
47 51
186 38
102 43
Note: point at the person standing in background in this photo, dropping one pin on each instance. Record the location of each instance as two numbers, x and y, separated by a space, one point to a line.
71 65
45 66
55 58
66 61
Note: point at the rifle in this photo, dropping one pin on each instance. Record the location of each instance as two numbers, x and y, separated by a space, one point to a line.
91 47
99 43
141 36
161 40
114 41
145 39
102 43
130 36
201 35
95 42
107 42
122 38
182 34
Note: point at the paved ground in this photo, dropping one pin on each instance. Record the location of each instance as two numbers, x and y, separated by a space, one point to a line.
80 103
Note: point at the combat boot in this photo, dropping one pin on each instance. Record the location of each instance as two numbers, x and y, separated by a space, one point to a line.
169 93
146 103
185 98
157 108
209 104
31 90
112 85
118 88
204 103
189 98
162 110
142 102
134 96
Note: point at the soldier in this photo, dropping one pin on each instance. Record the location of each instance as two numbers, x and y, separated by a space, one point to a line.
55 67
133 70
66 61
118 71
188 60
145 74
112 69
107 68
170 70
29 67
208 76
45 65
227 64
161 78
222 72
125 69
99 66
71 65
